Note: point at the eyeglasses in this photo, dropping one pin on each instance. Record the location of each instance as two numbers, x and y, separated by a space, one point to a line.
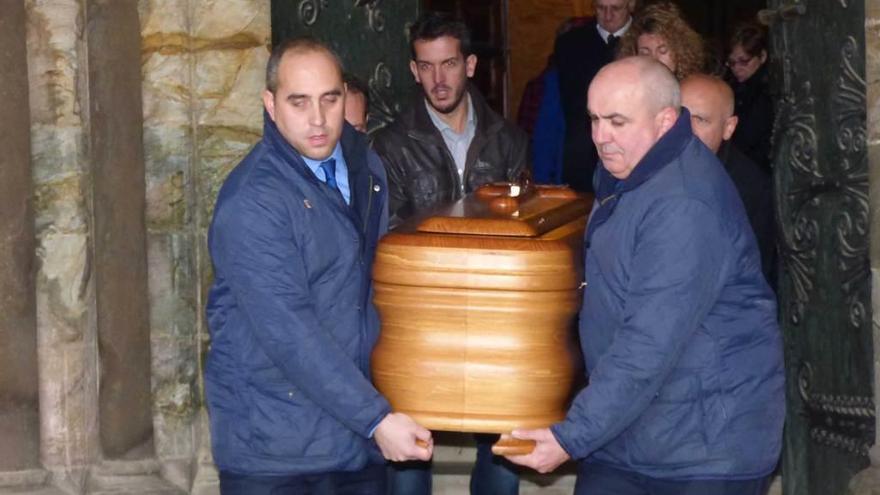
733 62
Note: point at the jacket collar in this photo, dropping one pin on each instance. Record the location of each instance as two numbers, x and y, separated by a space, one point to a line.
664 151
354 149
276 142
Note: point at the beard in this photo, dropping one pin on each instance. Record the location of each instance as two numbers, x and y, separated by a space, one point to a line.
448 107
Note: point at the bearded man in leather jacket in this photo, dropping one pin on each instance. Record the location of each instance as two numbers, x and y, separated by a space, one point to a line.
448 142
445 145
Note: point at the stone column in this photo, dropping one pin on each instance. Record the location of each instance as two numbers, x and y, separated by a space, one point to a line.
203 72
120 260
127 461
64 291
19 409
867 482
173 275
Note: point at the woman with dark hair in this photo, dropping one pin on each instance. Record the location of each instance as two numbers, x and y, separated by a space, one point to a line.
747 64
660 31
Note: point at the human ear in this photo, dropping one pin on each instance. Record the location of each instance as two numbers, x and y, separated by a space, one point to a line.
729 127
415 70
471 64
665 119
269 103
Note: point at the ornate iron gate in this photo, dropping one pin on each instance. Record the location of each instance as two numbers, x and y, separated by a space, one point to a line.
369 36
821 174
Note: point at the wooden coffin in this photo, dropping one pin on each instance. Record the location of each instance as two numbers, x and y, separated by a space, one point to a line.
477 302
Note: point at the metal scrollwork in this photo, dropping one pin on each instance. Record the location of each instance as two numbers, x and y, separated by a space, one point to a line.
805 381
849 99
844 422
852 227
380 108
849 444
810 186
309 10
375 18
807 182
800 231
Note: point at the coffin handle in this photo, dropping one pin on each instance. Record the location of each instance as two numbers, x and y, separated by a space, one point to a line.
513 446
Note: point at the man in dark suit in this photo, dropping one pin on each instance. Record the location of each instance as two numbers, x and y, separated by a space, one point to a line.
710 101
579 54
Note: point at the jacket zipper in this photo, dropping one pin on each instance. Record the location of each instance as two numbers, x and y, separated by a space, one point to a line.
457 179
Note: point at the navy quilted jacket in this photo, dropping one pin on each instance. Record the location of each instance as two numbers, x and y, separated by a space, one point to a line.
291 320
678 326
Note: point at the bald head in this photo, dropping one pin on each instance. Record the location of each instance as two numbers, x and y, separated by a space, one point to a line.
710 102
648 78
632 103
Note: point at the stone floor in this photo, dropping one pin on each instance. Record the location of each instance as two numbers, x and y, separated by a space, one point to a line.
454 455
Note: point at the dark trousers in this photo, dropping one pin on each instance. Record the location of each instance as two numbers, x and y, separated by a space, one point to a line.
595 479
492 475
368 481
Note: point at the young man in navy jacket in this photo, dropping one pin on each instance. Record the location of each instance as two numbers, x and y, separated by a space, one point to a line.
292 324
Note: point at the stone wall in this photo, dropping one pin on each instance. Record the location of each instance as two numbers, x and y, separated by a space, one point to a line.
135 112
203 73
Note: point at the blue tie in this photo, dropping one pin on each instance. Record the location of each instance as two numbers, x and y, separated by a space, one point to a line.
329 168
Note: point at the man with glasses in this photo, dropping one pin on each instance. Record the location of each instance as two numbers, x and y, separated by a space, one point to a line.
579 55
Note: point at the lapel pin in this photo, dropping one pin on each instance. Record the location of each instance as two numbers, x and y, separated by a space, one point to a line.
307 204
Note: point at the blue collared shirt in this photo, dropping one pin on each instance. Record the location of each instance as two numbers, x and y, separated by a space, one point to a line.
341 171
456 143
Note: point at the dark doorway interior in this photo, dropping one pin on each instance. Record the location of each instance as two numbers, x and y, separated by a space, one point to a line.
714 19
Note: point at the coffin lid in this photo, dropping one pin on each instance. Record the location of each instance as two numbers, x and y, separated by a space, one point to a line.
491 211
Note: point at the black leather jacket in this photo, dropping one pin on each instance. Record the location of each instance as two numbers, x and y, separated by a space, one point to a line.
421 171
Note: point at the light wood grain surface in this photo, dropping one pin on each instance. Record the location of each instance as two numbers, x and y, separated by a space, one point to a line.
477 329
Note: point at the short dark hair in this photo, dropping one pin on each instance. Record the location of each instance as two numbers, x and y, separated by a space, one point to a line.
432 25
301 44
751 36
357 85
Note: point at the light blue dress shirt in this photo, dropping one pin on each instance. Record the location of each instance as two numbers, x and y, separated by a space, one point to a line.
341 171
456 143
